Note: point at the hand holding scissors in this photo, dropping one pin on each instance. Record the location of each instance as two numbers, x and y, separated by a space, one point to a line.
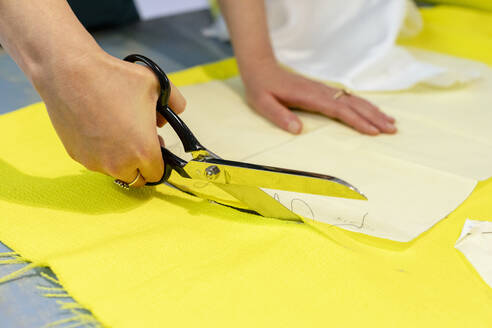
241 180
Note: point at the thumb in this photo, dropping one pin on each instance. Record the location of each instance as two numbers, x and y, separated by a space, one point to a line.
270 108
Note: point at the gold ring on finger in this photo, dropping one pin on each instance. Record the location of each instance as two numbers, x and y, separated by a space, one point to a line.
127 185
340 93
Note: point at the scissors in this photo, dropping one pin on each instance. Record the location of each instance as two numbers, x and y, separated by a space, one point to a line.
242 181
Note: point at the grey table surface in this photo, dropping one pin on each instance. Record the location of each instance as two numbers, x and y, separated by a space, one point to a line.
176 43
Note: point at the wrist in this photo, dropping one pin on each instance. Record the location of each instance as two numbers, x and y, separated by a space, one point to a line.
69 79
253 66
44 53
59 64
42 35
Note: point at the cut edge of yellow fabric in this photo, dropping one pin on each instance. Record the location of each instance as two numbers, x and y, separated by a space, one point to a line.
79 314
220 70
7 258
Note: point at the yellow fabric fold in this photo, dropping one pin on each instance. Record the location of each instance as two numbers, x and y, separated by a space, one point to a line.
156 257
462 32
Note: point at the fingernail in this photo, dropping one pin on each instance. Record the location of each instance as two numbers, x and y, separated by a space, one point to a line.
390 126
373 130
294 127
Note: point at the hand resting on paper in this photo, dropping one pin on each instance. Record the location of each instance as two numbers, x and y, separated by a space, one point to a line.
272 90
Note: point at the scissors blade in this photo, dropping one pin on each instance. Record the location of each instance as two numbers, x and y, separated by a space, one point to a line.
243 197
259 201
230 173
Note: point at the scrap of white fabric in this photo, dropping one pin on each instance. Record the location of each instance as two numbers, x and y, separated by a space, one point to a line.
475 242
353 43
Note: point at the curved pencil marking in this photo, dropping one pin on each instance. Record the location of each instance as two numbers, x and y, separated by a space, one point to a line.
303 202
362 224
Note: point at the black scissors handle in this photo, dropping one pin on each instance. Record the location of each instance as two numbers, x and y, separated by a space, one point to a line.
189 141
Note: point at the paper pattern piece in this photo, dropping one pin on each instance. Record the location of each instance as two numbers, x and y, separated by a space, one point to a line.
475 242
409 178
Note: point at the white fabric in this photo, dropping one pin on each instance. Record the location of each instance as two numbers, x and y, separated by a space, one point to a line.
352 42
475 243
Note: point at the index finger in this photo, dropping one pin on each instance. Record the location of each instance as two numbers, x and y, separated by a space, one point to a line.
370 113
177 102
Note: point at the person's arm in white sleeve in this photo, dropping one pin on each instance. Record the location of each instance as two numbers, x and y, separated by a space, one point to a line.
271 90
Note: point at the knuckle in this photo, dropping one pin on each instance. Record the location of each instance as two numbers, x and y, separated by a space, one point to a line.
147 154
339 110
88 163
116 167
376 117
145 73
369 104
258 100
184 103
373 116
150 82
331 110
352 119
258 103
155 172
87 160
156 176
178 104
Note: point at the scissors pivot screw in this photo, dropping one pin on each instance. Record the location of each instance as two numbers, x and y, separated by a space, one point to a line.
212 172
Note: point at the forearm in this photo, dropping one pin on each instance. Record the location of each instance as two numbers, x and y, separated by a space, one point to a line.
247 24
42 36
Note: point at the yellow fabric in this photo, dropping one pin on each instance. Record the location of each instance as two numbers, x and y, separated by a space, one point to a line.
156 257
214 7
457 31
199 74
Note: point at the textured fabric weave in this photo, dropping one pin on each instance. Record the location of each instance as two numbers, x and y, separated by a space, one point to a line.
156 257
